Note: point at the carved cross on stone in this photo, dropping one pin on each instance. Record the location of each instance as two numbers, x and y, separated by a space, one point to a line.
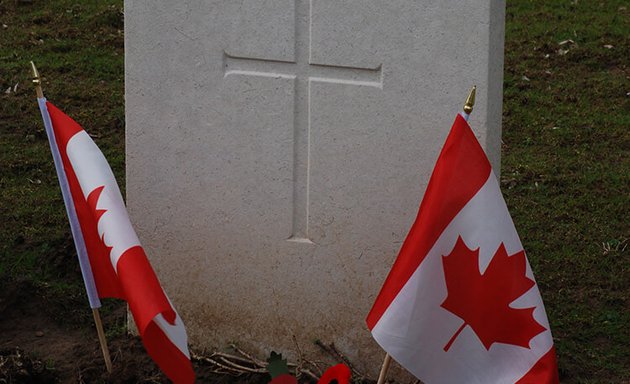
303 72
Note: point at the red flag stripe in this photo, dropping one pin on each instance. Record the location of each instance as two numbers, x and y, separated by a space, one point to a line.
143 291
455 180
168 357
545 371
64 126
104 275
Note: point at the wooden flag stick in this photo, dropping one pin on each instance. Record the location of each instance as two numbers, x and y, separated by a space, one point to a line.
93 303
102 340
384 369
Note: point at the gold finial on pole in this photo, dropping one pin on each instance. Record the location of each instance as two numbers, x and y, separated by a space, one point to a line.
470 101
37 80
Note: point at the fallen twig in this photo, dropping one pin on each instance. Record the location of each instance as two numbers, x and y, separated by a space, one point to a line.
222 367
247 355
310 374
242 367
334 352
225 363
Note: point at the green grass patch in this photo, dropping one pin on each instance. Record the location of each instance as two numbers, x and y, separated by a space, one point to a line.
566 167
78 48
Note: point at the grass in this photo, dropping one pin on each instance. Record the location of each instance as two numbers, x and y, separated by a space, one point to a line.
78 47
566 168
565 174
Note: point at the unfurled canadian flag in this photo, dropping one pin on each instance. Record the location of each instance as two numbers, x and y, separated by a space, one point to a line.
113 262
460 304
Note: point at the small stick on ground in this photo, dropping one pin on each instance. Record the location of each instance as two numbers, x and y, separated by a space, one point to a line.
301 360
334 352
223 368
247 355
310 374
298 368
242 367
226 363
235 358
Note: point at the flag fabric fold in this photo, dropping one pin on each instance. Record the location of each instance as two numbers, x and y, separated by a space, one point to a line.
112 260
460 304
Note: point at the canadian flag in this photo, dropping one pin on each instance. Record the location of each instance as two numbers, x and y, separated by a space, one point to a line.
113 262
460 304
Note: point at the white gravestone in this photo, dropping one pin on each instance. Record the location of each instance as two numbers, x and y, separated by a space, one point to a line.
278 150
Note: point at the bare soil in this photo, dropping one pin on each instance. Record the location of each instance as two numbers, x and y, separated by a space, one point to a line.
44 341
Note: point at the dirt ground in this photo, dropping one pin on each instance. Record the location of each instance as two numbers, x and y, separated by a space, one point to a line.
45 342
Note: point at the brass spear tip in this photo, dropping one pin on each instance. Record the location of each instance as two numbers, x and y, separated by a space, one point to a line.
37 80
470 101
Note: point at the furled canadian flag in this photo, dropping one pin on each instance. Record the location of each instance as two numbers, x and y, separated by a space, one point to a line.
113 262
460 304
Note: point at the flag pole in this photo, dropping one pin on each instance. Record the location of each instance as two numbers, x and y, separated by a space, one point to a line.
386 362
468 108
102 340
94 303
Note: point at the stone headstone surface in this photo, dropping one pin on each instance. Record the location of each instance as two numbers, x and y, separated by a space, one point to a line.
278 150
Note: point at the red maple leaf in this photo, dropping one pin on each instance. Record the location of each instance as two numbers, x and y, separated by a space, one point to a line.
483 301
